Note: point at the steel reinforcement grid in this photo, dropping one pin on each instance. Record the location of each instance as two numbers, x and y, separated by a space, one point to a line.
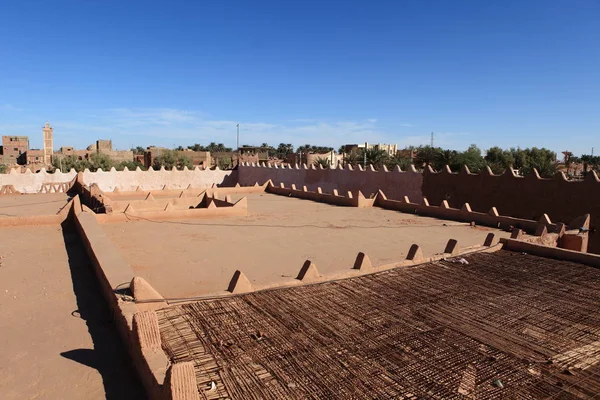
504 326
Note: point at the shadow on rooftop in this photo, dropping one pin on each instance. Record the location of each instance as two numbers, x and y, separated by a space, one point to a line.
108 356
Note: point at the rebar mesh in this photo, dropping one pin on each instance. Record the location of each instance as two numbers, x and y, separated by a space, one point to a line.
505 326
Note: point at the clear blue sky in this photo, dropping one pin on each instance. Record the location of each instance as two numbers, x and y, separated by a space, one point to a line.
494 72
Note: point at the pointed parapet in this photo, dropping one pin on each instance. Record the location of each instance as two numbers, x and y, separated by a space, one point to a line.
138 169
308 272
349 167
385 169
362 262
180 382
466 208
181 194
349 195
304 188
582 223
146 329
296 166
452 247
339 166
429 169
445 204
414 253
239 283
237 185
143 292
493 212
406 199
125 169
228 199
269 165
185 168
560 176
294 186
371 168
282 185
560 228
360 167
150 197
211 204
447 169
545 219
397 168
276 166
489 239
162 168
517 234
360 195
312 166
321 166
241 203
169 207
304 166
129 209
381 195
319 190
412 168
138 189
465 170
116 189
591 176
425 202
335 192
488 171
541 230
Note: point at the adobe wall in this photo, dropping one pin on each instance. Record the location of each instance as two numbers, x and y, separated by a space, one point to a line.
524 197
396 183
127 180
30 182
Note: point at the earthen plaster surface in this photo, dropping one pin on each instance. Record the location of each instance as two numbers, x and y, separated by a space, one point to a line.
270 245
32 204
57 337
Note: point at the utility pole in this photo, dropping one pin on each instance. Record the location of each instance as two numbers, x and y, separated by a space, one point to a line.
592 152
431 139
365 156
238 136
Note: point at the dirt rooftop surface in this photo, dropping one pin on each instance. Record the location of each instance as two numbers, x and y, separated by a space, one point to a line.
490 326
197 257
57 337
32 204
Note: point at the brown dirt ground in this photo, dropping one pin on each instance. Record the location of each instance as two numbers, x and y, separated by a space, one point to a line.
197 257
32 204
58 340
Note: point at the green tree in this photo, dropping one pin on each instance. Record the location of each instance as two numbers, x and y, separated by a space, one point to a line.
426 155
170 159
131 165
3 168
376 157
283 150
323 162
472 158
139 150
403 162
499 160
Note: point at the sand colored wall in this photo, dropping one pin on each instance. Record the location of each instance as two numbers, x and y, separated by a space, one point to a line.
396 183
155 180
523 197
30 182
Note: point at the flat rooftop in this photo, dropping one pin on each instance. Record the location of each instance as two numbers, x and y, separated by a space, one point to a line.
198 257
502 325
32 204
58 338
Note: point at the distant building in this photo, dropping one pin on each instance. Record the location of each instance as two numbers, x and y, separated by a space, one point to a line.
390 149
48 133
13 150
198 158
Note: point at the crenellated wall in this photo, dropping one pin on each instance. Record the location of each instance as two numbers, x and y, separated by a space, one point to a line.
30 182
396 183
154 180
524 197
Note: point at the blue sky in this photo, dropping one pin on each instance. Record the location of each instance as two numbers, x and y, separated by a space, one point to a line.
507 73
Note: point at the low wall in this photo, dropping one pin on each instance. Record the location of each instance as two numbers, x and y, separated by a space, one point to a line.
396 183
30 182
127 180
524 197
137 326
348 199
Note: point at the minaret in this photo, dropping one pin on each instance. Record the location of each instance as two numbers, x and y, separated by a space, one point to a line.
48 144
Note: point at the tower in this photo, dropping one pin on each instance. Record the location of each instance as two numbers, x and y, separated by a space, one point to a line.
48 144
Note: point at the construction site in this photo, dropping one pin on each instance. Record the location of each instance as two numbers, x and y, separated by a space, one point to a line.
299 282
